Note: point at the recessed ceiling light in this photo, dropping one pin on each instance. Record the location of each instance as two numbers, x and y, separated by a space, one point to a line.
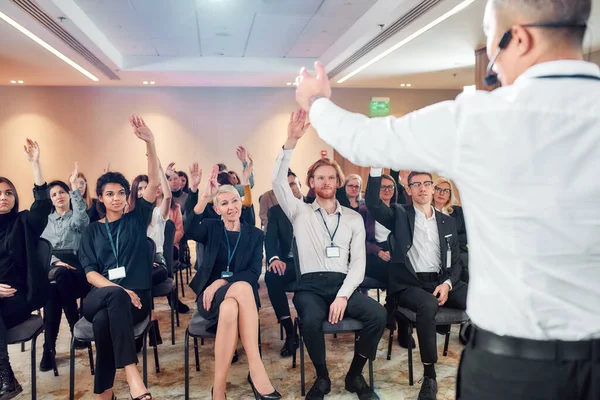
289 83
408 85
19 81
13 82
45 45
408 39
145 82
152 82
402 85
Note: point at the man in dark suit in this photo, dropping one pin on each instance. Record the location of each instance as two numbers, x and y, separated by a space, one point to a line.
281 272
426 267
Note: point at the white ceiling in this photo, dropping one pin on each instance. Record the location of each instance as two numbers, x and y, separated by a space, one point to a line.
244 42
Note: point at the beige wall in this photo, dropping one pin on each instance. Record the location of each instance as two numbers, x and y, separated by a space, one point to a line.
90 125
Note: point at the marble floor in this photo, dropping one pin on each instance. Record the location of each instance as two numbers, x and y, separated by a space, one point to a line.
391 377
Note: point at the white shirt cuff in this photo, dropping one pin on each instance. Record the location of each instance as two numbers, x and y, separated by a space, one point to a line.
449 282
273 259
376 172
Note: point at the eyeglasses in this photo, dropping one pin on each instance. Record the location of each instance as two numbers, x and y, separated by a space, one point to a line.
418 184
443 191
82 183
387 188
355 187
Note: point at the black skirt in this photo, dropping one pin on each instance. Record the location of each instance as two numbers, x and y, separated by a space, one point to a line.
212 314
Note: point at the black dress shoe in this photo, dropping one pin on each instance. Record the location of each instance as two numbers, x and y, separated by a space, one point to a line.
358 385
403 341
47 363
289 347
10 387
271 396
442 329
428 389
319 389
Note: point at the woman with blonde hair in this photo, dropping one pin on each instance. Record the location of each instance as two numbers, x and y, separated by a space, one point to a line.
353 189
444 200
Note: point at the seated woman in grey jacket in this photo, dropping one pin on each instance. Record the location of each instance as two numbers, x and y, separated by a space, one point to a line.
64 231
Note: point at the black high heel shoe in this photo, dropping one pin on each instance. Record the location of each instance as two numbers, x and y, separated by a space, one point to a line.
271 396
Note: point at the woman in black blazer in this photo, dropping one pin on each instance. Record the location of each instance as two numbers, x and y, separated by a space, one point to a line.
227 282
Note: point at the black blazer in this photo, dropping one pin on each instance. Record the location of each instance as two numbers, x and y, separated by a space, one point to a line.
400 220
278 240
459 215
248 260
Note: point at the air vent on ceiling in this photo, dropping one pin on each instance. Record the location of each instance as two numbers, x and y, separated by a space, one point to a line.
37 13
387 33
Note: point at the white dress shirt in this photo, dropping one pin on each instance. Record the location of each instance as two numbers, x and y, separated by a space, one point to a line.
156 229
313 238
381 233
424 255
526 159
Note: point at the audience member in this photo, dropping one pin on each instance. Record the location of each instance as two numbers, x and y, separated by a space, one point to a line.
226 283
91 204
268 200
353 190
183 181
114 253
65 227
427 268
331 248
400 177
281 272
23 278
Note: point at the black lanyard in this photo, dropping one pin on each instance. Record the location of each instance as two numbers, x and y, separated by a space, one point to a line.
577 76
230 254
326 227
115 249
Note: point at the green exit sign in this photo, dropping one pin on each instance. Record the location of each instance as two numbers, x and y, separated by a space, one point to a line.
380 107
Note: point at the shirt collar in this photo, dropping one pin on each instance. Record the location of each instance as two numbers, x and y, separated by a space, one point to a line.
421 214
338 208
55 217
561 67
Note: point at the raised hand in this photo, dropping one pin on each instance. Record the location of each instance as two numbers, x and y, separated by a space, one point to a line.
195 176
212 186
242 154
297 126
32 151
140 129
170 170
309 87
248 170
73 177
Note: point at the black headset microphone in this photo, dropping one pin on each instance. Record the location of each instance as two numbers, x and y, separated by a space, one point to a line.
491 77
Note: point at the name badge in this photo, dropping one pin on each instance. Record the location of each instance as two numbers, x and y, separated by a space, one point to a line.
226 274
116 273
332 252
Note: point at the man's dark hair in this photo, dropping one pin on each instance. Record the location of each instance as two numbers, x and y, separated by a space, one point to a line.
415 173
290 173
110 177
222 167
224 178
575 12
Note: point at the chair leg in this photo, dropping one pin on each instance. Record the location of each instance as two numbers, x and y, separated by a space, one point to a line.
91 357
447 342
33 369
186 366
187 276
173 308
181 282
410 360
72 370
390 341
378 296
22 347
280 331
295 334
156 363
201 341
371 379
196 354
145 359
259 340
302 384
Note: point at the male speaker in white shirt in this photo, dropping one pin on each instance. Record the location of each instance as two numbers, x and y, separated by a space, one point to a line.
332 257
526 159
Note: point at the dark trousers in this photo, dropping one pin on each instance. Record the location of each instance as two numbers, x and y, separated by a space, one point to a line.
277 286
483 375
314 295
425 305
376 267
13 311
113 317
66 287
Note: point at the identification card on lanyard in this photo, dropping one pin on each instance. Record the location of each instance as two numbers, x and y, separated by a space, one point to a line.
331 251
119 271
448 252
230 254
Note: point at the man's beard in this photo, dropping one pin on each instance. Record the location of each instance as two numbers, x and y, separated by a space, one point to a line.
325 194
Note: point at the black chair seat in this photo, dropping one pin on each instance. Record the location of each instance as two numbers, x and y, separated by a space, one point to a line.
444 316
84 330
346 325
26 331
370 283
163 289
198 327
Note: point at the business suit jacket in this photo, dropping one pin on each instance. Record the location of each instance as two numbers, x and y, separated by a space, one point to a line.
278 240
400 220
248 260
